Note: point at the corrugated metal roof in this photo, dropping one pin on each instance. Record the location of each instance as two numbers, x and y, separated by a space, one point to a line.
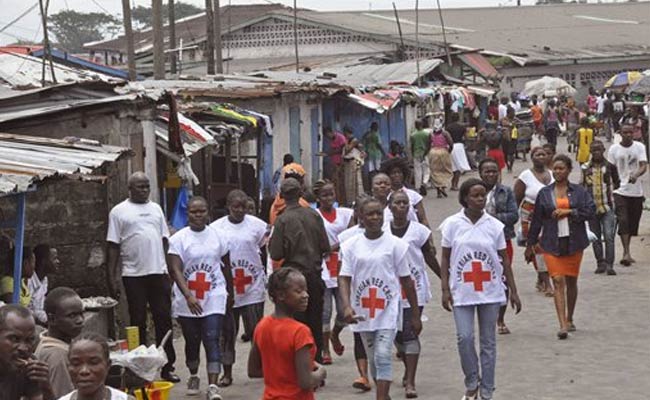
360 75
22 71
25 160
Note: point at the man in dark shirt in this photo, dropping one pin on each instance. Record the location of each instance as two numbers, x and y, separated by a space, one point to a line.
299 240
21 375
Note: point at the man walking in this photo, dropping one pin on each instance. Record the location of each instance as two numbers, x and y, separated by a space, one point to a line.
299 240
630 162
420 142
597 178
138 235
65 320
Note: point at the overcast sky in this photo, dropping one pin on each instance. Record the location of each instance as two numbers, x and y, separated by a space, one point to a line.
28 28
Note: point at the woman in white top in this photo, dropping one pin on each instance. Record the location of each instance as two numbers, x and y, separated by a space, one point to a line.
88 364
246 236
472 271
526 187
373 267
199 264
421 253
336 220
398 170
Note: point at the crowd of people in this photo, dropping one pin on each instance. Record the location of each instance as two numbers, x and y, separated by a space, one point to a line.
327 266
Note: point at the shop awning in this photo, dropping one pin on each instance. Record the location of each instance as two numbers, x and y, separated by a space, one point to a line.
380 100
193 136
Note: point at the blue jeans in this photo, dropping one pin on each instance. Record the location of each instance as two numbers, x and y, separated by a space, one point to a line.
207 330
487 321
379 347
604 226
330 296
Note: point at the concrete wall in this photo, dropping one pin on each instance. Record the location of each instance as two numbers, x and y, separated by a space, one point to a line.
73 217
581 76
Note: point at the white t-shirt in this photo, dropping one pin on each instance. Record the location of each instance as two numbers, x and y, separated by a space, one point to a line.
115 395
350 232
600 104
503 111
244 242
201 254
375 267
533 185
475 270
331 264
414 198
139 229
416 236
627 160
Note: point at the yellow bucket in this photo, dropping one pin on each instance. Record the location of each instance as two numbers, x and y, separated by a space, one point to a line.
158 390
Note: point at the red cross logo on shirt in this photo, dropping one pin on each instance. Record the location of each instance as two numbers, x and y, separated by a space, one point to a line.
241 280
372 302
199 286
332 265
477 276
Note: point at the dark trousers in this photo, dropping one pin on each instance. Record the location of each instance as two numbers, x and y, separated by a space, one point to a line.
250 314
313 316
207 330
154 290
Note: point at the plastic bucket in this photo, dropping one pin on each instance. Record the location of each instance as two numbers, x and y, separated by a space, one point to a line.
158 390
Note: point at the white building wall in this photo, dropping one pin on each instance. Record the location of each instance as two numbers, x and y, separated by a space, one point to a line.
581 76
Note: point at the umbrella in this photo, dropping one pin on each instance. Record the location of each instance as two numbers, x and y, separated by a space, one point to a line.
642 86
545 85
623 79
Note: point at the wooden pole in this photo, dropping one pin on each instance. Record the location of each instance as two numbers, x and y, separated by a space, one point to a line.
47 51
399 30
295 33
444 34
218 45
209 24
172 35
158 42
128 34
417 41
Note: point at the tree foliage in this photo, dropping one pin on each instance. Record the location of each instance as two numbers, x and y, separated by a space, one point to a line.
72 29
143 16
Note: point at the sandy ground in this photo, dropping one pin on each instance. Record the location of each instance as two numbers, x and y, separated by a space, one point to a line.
607 358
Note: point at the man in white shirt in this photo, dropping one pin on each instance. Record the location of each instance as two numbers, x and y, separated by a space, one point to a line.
503 108
630 161
138 235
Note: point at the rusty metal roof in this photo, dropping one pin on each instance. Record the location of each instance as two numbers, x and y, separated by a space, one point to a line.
26 160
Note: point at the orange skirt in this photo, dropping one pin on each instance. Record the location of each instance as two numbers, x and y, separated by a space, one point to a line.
563 265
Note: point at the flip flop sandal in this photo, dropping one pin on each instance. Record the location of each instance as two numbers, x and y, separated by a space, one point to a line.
327 360
571 328
562 335
411 393
503 330
224 381
361 384
466 397
337 347
625 263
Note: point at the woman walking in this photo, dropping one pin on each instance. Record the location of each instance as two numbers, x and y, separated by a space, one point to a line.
199 264
374 266
420 252
440 159
474 262
459 161
501 205
561 210
526 187
336 220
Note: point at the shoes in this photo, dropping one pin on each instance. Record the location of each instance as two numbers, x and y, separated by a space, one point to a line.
562 335
571 327
170 376
362 383
423 190
245 338
213 393
611 272
601 269
193 385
